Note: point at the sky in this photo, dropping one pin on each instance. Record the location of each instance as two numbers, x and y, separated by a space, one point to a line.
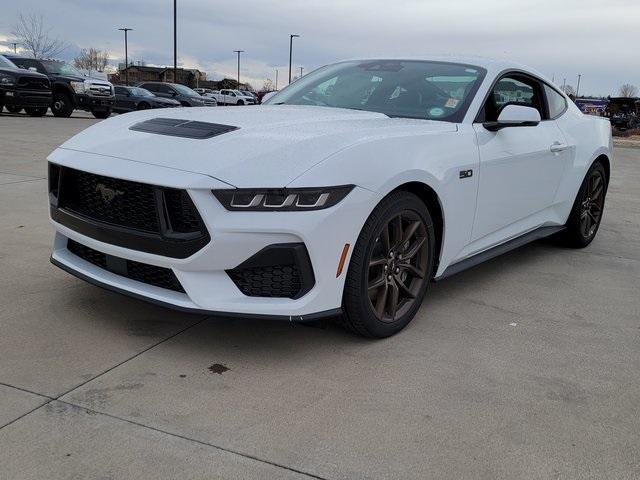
561 38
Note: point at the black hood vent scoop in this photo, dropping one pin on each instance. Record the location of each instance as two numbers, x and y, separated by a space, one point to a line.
176 127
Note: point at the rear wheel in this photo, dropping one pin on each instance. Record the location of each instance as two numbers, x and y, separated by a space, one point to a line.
390 268
13 109
36 111
62 105
586 214
143 106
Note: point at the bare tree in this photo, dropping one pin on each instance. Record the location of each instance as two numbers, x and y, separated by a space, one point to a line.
628 90
568 89
267 86
35 37
92 59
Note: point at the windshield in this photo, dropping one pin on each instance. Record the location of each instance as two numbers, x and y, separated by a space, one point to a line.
6 63
140 92
185 90
398 88
60 68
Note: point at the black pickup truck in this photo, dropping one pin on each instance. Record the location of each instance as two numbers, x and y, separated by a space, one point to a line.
23 89
71 88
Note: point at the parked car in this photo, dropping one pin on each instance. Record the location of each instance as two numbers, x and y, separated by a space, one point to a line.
326 201
184 95
264 96
21 88
249 94
129 99
71 88
232 97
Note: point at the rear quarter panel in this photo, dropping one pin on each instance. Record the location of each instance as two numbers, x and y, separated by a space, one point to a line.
589 137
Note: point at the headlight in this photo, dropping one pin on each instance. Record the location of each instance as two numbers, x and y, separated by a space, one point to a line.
281 199
78 87
7 80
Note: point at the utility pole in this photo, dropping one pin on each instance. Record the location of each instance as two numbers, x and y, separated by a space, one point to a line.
15 45
175 41
276 79
291 37
301 70
126 55
564 85
578 87
238 52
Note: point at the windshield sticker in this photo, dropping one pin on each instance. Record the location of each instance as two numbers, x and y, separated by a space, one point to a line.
436 112
451 103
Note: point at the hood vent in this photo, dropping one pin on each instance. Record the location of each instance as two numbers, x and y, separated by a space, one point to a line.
176 127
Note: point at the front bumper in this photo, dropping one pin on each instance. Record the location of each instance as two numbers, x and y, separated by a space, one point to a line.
235 238
25 98
91 102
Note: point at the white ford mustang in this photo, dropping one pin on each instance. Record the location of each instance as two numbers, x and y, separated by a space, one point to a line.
347 193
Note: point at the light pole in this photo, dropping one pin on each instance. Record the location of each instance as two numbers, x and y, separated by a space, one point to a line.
291 37
175 41
276 79
238 52
301 70
578 87
126 55
15 45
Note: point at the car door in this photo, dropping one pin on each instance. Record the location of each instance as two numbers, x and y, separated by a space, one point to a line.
520 167
123 100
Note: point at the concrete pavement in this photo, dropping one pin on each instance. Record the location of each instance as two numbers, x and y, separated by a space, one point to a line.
525 367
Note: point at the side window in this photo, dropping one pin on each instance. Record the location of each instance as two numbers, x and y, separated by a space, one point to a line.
514 89
556 102
162 88
27 63
149 86
120 91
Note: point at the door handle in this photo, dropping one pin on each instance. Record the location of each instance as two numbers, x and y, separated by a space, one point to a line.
558 147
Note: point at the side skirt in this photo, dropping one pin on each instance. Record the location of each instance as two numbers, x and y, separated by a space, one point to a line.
493 252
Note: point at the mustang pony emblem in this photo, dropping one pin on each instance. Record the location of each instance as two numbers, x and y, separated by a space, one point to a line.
108 194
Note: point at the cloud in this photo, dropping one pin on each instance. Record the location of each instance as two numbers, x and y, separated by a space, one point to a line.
563 38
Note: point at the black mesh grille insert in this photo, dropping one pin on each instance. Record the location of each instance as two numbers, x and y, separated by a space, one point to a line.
279 270
268 281
182 213
176 127
110 200
141 272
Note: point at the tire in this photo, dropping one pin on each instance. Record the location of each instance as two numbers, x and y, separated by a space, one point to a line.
143 106
240 102
185 104
62 105
368 310
101 113
586 213
36 111
13 109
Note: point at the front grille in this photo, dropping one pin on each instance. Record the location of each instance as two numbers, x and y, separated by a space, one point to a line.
268 281
134 215
110 200
141 272
34 83
100 90
280 270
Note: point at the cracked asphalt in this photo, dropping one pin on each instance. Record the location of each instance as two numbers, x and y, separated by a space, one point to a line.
525 367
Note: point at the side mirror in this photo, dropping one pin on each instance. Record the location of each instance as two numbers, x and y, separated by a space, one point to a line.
514 116
267 96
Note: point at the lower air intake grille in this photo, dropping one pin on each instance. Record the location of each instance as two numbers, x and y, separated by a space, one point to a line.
280 270
141 272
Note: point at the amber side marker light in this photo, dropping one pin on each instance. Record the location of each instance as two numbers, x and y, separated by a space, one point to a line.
343 257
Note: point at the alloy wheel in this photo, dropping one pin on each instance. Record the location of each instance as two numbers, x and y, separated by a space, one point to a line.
398 266
592 204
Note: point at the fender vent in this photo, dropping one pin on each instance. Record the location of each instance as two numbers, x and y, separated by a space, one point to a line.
176 127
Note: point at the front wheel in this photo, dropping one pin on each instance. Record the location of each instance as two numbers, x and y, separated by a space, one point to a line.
390 268
62 105
101 113
240 102
143 106
586 214
36 111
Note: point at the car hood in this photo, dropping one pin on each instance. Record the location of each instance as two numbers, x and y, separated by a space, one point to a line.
271 146
21 72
